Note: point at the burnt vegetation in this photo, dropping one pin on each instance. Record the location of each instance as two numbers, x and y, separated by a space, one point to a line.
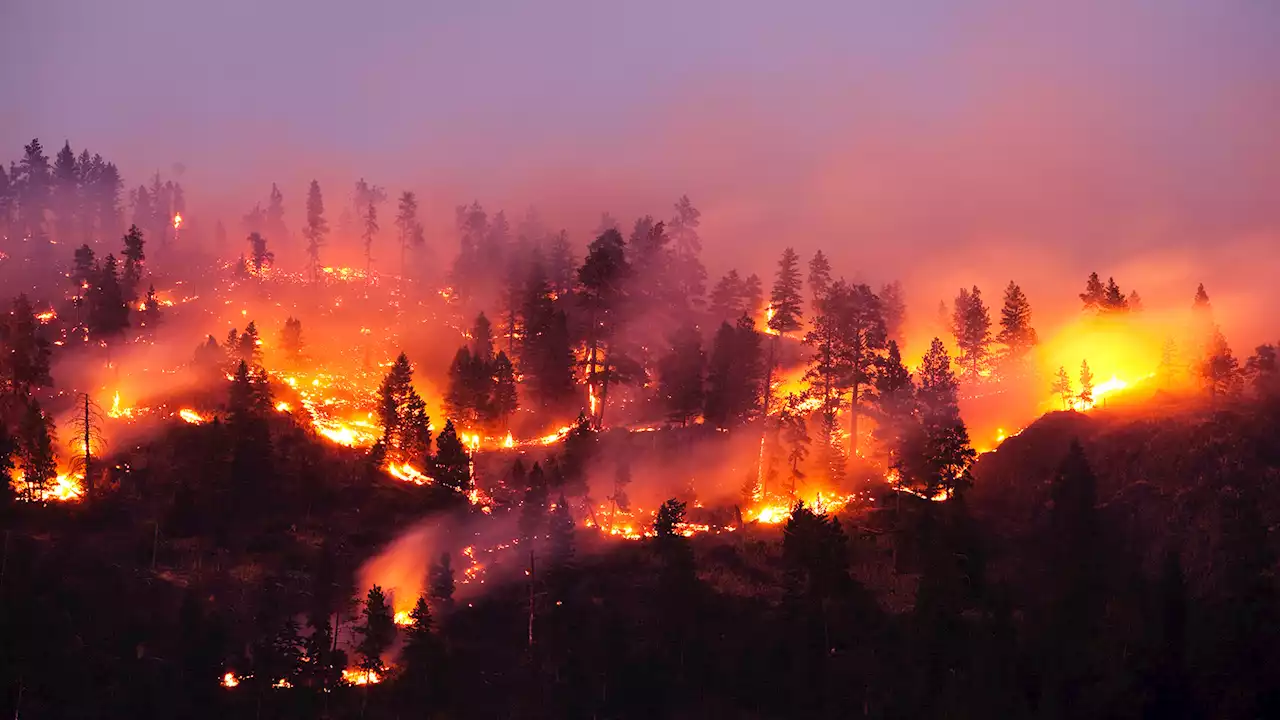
823 537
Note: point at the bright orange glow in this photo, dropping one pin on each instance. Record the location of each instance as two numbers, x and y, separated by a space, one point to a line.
508 441
229 680
402 618
177 221
46 316
283 407
353 676
191 416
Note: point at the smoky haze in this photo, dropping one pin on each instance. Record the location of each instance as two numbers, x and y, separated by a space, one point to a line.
942 144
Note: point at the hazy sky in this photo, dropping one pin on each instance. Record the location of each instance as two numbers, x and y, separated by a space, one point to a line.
886 132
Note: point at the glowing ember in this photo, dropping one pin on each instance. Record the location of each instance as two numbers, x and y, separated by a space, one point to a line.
177 221
402 618
117 411
509 441
191 416
46 316
283 407
230 680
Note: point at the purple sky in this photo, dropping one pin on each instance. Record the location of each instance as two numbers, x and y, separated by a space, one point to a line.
892 134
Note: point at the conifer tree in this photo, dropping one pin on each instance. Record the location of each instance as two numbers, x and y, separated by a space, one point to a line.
734 374
393 398
151 313
259 256
972 325
546 356
32 183
441 582
785 299
848 339
1114 299
1263 370
533 507
1220 370
819 279
26 361
36 458
894 305
291 339
134 256
1016 332
1134 302
65 201
560 536
1086 385
1094 295
421 660
273 220
894 406
688 273
370 218
316 229
1062 387
415 433
680 376
505 399
378 631
453 462
937 453
602 281
409 228
108 310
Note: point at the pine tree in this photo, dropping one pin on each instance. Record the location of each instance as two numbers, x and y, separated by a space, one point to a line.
602 280
273 220
819 279
134 256
35 451
1062 387
1134 302
410 230
26 359
32 182
560 535
1094 295
505 400
393 398
108 311
316 230
728 298
688 273
894 305
65 199
1113 298
1263 370
937 453
260 257
560 264
1016 332
848 339
421 660
1086 385
734 374
370 232
291 340
441 582
972 323
151 313
377 631
546 356
894 406
680 376
533 507
453 462
415 432
785 299
1220 370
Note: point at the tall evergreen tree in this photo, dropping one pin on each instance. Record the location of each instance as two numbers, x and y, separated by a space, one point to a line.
453 462
65 201
393 399
785 299
819 279
894 303
440 582
134 256
378 631
894 407
1263 370
734 375
25 362
108 309
370 218
1220 371
505 399
1086 385
546 356
316 230
1016 333
680 376
408 227
603 279
1062 387
1094 295
848 339
35 451
291 339
937 453
32 182
972 323
420 680
687 270
273 221
260 258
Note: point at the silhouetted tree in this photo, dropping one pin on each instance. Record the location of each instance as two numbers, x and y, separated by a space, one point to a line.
393 400
1016 332
1094 295
108 310
1220 370
36 458
259 256
453 462
25 362
785 300
972 325
505 400
291 339
680 376
819 279
316 229
734 375
377 631
533 507
408 227
1086 385
689 275
546 356
895 310
421 678
894 405
1263 370
370 232
937 455
847 338
441 582
1062 387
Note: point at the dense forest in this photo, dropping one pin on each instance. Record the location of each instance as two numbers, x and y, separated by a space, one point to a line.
501 474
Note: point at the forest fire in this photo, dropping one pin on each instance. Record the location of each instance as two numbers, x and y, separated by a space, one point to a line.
191 416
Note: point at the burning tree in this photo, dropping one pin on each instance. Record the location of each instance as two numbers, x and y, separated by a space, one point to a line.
1085 397
602 281
35 451
86 439
1062 387
260 258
